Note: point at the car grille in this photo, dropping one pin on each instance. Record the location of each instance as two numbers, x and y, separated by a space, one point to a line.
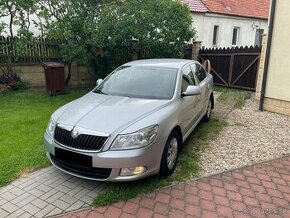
89 172
82 142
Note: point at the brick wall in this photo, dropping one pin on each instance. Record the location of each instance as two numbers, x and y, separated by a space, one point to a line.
277 106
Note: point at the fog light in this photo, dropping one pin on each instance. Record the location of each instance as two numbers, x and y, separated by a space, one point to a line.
132 171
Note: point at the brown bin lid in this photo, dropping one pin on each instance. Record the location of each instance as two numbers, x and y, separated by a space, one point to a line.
52 64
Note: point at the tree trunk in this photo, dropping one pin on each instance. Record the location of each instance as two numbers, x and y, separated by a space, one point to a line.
69 74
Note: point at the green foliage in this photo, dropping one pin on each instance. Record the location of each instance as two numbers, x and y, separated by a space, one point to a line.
73 22
18 12
161 26
12 81
187 167
21 85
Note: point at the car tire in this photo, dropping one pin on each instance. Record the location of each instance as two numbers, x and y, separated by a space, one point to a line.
207 115
170 154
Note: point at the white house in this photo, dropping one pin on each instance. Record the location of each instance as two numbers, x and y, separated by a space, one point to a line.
227 23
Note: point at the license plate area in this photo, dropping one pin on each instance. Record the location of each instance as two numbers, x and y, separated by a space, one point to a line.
73 157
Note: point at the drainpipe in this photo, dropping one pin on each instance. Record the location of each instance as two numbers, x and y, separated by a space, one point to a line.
268 51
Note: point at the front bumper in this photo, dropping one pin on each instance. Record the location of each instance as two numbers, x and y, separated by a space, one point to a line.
114 161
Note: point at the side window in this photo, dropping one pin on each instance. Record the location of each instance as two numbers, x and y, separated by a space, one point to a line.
187 71
193 77
185 83
200 72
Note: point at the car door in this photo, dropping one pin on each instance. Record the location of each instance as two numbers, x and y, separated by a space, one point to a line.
189 112
200 78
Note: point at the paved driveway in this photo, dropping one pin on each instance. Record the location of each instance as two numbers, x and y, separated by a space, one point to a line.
262 190
47 192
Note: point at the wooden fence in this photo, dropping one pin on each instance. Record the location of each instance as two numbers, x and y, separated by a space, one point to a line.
234 67
34 51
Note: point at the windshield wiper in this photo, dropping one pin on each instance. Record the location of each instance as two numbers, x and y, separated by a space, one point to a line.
100 92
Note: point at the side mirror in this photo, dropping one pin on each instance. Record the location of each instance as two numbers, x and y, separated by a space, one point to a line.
99 81
192 90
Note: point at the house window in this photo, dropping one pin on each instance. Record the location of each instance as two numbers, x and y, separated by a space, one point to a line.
258 37
236 32
215 35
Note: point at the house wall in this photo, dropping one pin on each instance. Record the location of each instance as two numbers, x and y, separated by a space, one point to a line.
204 24
277 91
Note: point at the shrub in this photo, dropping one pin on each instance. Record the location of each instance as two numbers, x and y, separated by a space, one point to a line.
12 81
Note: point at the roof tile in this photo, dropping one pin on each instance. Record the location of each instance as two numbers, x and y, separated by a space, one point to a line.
246 8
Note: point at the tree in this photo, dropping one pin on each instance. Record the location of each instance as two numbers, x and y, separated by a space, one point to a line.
73 22
162 26
18 12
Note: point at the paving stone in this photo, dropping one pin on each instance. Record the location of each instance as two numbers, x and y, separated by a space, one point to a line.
20 198
43 188
15 214
87 199
69 184
39 203
43 212
31 209
25 184
8 196
50 180
26 201
25 215
61 204
16 191
48 194
9 207
3 213
75 206
62 188
5 189
36 192
80 194
2 201
54 197
55 211
74 191
32 186
68 199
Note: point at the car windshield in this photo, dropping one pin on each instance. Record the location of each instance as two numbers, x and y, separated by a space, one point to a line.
140 82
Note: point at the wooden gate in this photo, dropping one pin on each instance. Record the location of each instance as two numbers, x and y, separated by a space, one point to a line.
233 67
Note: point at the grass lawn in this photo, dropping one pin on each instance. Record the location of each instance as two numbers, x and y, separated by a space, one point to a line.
23 119
234 95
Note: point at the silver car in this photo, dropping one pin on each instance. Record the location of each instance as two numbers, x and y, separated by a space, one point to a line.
133 123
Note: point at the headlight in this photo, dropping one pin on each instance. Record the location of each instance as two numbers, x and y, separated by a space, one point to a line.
138 139
51 126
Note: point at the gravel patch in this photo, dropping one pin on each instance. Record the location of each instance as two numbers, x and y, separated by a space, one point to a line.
251 136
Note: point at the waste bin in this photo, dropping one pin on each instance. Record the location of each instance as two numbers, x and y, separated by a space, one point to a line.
54 77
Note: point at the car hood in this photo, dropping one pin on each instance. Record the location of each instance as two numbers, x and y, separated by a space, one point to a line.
107 114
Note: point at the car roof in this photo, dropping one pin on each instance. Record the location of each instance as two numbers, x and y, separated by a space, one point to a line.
171 63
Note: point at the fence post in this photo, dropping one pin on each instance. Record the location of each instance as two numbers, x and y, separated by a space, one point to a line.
195 50
231 69
261 68
136 50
